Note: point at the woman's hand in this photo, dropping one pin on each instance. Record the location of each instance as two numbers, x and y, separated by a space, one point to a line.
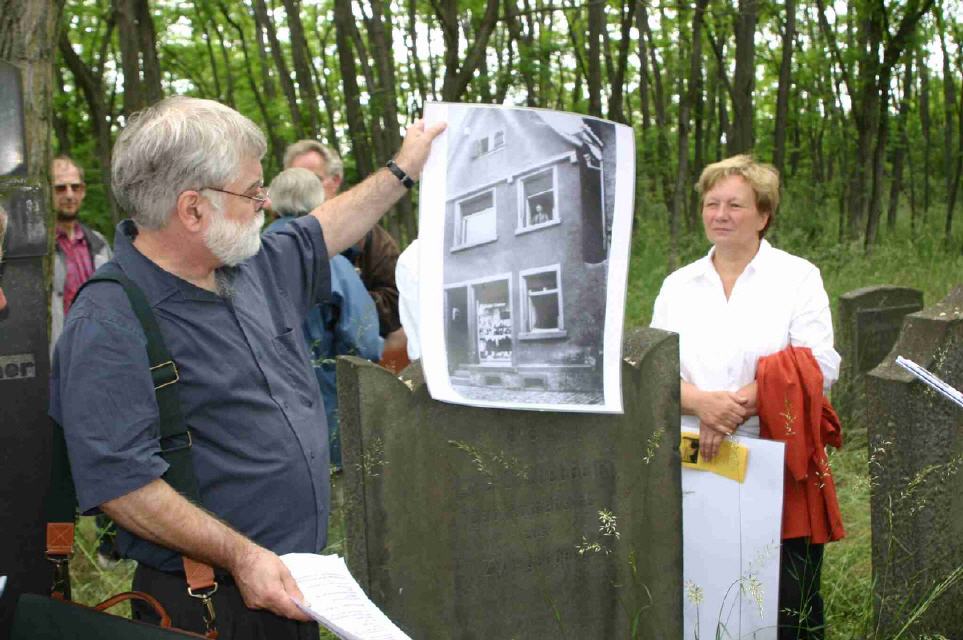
751 393
722 411
709 442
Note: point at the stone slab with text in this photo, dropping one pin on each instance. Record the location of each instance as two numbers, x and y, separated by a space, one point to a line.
467 522
916 467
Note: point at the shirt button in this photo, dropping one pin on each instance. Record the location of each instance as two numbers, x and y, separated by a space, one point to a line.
307 402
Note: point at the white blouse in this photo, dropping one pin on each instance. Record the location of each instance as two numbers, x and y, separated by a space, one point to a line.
779 300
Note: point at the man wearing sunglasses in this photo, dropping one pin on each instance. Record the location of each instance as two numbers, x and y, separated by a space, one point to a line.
79 249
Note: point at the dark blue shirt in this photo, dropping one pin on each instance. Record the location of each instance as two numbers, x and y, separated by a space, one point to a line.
247 391
346 323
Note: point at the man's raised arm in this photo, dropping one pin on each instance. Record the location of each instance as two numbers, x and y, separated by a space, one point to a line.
347 217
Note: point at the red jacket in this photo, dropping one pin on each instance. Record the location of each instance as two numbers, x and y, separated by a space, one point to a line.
793 409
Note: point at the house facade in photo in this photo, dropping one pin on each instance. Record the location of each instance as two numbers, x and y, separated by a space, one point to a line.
526 246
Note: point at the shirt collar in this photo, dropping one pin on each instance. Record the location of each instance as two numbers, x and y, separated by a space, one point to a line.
75 234
157 284
704 266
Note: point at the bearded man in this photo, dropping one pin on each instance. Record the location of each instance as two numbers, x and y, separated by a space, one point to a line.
229 305
79 249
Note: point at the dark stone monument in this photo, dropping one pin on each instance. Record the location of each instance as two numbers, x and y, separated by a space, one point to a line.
489 524
24 367
916 467
869 323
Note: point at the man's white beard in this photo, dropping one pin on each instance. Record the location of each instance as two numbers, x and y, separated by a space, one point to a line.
233 242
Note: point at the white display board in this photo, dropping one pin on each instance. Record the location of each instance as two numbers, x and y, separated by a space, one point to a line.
524 232
731 537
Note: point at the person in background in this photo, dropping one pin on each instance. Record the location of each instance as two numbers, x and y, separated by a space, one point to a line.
79 249
743 303
406 275
344 323
374 256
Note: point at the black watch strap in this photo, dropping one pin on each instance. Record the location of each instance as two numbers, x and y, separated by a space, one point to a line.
399 173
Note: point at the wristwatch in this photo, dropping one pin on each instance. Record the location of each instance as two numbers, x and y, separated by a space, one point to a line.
399 173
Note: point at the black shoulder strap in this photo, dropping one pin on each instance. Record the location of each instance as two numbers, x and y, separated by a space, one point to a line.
175 441
175 438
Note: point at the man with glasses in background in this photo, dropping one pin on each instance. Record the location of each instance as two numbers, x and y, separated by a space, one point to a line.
79 249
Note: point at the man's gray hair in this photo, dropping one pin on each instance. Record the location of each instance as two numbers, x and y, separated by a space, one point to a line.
332 161
180 143
295 191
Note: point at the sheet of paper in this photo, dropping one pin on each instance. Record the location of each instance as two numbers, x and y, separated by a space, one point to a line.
525 222
731 461
336 600
931 379
730 536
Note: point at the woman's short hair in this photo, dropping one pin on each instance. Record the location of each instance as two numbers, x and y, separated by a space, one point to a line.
762 178
295 191
180 143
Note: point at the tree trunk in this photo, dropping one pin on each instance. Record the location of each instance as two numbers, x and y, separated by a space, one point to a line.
263 20
900 148
387 101
596 22
744 78
892 52
277 145
28 36
361 151
785 81
924 109
147 40
949 103
616 107
92 88
301 55
458 72
695 100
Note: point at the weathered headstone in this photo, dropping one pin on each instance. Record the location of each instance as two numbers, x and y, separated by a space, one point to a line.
24 368
470 523
869 324
916 467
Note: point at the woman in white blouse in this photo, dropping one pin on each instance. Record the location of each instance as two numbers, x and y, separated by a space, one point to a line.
744 300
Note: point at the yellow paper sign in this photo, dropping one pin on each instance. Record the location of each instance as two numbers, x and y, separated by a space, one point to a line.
731 461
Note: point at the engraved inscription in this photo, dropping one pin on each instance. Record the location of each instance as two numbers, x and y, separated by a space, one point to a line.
17 367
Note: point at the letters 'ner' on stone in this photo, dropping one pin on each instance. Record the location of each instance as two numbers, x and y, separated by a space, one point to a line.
916 467
473 523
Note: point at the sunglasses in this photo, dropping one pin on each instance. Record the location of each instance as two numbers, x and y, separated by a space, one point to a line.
76 186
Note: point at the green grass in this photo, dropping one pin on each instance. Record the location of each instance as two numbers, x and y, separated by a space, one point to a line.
924 262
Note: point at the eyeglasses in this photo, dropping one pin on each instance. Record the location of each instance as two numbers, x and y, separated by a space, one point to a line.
75 186
259 199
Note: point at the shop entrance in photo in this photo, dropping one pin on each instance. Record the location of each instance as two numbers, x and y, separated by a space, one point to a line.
493 322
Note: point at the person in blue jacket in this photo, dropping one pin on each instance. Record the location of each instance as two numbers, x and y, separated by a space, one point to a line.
346 323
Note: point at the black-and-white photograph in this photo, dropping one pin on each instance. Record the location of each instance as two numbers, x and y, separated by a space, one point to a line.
525 221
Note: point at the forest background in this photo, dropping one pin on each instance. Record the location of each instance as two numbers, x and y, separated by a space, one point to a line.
859 105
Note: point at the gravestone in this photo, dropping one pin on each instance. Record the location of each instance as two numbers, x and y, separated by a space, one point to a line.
489 524
24 363
916 468
869 324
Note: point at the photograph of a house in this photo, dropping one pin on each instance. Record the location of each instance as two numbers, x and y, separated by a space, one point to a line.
523 235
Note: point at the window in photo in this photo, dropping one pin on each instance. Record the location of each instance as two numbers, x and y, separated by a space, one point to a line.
542 301
489 143
476 220
538 198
